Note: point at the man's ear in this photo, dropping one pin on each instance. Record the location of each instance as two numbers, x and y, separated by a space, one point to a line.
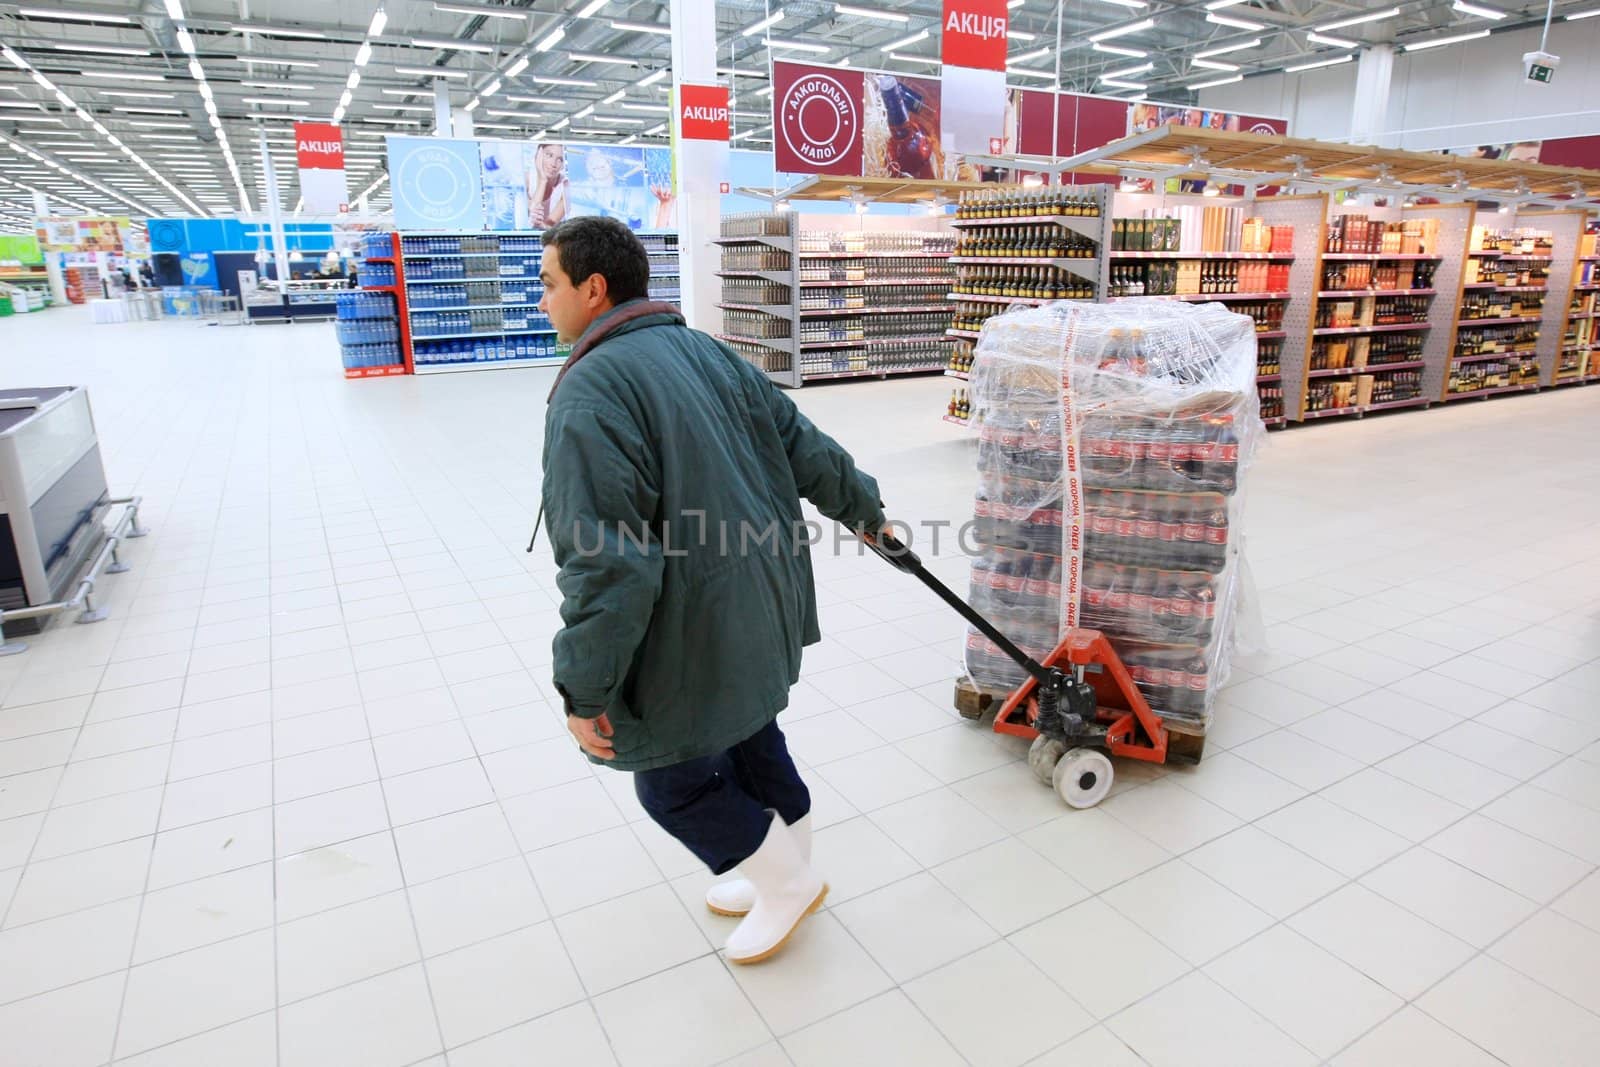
598 289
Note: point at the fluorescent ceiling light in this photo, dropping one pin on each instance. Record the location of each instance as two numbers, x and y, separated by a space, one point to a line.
278 31
277 62
133 110
301 86
482 10
1118 50
1438 42
587 57
658 109
363 54
1218 5
902 57
162 125
345 98
72 16
1127 72
433 72
1212 64
1012 5
1123 31
1481 12
590 8
799 46
771 20
452 43
518 67
32 118
1024 72
403 92
1225 49
614 97
490 89
1334 62
1018 35
354 79
122 75
512 114
651 79
866 13
380 19
551 101
109 50
1336 42
616 121
1216 81
551 39
563 124
1127 3
1238 24
166 137
136 96
576 83
1026 57
641 27
275 101
185 41
1583 15
29 106
1118 84
1358 20
895 46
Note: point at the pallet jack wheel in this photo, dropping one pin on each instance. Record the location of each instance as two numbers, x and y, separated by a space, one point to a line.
1043 755
1083 777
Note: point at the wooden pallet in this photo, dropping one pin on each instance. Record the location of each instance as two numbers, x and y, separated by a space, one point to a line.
1185 740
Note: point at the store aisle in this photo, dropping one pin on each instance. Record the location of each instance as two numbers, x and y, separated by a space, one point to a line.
304 798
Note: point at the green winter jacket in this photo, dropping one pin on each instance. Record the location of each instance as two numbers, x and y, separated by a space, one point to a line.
673 472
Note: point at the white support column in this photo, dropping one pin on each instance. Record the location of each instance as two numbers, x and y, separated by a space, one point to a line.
280 248
461 124
1369 112
52 260
701 166
441 108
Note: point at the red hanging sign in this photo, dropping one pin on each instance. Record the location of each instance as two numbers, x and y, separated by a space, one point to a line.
703 113
318 146
974 34
817 116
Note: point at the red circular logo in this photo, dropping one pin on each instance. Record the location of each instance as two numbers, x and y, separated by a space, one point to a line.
820 120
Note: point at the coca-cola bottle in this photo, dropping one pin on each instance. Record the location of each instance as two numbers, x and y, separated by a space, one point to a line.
1096 591
1205 608
1169 528
1197 679
1216 534
1224 464
1194 534
1125 527
1119 594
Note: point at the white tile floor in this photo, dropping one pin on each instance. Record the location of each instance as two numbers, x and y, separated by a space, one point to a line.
304 799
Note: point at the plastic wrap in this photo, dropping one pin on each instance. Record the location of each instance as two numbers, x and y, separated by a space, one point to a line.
1113 441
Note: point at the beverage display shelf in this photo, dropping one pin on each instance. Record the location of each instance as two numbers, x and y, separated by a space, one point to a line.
1521 320
961 374
782 344
1270 335
785 276
781 310
1205 298
414 282
416 309
903 310
965 335
957 421
1589 259
377 259
1583 314
1410 402
1586 288
1373 257
464 255
919 340
1523 388
1370 368
1578 379
1276 420
482 334
1392 327
878 372
873 255
1021 220
1024 261
1269 377
1481 285
871 281
1120 254
1493 355
974 298
782 241
1525 255
1329 413
1376 292
1482 252
487 364
1523 288
380 289
375 372
1334 372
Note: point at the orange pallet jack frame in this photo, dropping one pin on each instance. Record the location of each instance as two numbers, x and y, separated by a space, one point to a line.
1079 701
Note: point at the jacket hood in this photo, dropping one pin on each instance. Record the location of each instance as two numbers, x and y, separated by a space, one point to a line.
619 319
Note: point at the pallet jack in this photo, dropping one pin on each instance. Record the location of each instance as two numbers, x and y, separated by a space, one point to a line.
1079 706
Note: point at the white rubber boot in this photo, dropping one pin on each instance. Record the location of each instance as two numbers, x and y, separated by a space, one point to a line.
787 890
735 896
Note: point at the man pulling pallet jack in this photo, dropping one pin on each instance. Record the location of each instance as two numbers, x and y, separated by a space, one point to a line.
674 663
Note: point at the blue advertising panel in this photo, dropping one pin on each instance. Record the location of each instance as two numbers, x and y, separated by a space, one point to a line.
435 184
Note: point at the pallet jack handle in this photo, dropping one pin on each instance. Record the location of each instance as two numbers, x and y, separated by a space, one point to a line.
900 556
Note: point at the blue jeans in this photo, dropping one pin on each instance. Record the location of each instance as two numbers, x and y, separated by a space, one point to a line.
717 805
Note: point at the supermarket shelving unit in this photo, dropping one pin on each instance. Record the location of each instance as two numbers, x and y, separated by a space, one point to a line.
767 253
398 291
1578 358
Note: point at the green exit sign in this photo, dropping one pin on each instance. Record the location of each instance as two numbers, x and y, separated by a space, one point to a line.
1537 73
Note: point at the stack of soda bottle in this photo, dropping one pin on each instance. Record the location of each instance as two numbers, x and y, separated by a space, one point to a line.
1112 443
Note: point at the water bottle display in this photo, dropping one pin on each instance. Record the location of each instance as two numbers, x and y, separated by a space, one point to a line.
378 244
374 273
368 332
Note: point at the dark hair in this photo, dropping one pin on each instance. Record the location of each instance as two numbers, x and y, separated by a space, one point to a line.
592 244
